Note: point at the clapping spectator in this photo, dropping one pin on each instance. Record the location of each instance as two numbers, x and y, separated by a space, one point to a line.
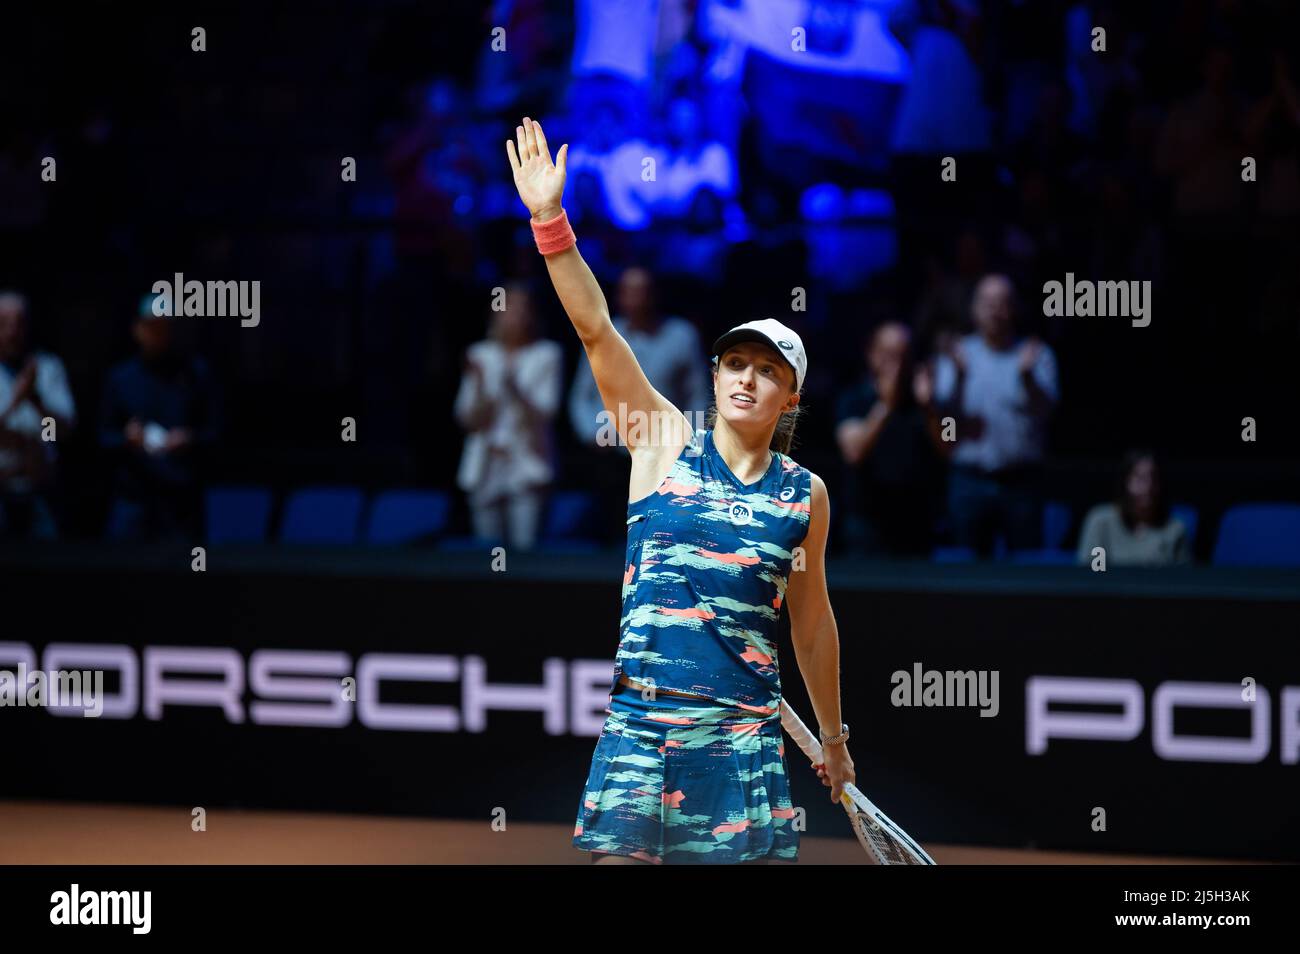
508 398
33 392
889 436
1001 390
1202 142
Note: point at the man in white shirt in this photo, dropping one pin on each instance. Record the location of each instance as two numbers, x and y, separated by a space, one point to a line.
668 350
1000 389
36 410
670 354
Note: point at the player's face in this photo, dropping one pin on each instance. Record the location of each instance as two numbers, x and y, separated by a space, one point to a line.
753 385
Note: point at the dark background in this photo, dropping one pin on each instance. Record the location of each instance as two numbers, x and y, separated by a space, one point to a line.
226 164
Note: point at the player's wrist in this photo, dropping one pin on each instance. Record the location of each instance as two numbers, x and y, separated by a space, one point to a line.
837 738
552 233
547 212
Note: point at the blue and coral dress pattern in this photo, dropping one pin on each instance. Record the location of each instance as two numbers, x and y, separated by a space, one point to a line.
707 563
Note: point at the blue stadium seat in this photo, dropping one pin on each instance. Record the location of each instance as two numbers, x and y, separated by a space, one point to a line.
1046 557
237 514
1057 518
406 516
570 516
1263 534
1190 517
468 543
322 515
952 555
968 554
569 546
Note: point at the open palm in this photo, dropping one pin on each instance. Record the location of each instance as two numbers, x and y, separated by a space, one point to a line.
539 181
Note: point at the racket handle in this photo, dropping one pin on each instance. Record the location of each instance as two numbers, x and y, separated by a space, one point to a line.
806 741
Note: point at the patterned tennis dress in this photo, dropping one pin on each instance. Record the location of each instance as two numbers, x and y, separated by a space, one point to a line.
700 781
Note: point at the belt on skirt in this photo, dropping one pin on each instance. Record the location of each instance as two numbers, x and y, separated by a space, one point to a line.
666 710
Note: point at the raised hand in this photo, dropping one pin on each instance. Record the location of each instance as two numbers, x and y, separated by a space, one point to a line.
887 383
923 385
22 387
1029 354
539 181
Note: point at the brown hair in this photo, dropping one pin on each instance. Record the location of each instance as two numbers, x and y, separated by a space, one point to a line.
1160 514
782 437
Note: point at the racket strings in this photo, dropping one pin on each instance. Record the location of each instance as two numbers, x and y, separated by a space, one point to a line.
887 849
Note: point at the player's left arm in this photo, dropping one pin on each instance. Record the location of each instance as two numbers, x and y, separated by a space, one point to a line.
816 637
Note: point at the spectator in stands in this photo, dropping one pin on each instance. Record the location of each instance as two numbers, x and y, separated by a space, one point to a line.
604 245
159 418
667 348
889 436
1273 134
34 393
1095 82
1136 529
943 110
669 351
943 114
1001 390
944 306
1201 143
424 184
508 398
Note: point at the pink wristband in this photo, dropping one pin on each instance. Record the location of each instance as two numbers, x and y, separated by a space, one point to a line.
554 235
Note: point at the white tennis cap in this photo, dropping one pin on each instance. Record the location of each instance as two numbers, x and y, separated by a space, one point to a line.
770 332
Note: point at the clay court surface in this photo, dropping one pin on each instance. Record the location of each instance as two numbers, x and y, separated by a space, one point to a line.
85 834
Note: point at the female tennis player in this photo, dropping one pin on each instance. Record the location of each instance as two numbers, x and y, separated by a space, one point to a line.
722 526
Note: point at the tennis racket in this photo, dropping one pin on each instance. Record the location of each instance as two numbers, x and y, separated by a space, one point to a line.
880 837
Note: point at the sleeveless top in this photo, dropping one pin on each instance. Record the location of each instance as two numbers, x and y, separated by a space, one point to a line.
708 559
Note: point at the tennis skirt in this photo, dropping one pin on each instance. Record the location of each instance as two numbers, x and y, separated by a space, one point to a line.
676 780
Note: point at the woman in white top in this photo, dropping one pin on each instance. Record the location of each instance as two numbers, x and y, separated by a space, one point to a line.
1135 530
508 396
